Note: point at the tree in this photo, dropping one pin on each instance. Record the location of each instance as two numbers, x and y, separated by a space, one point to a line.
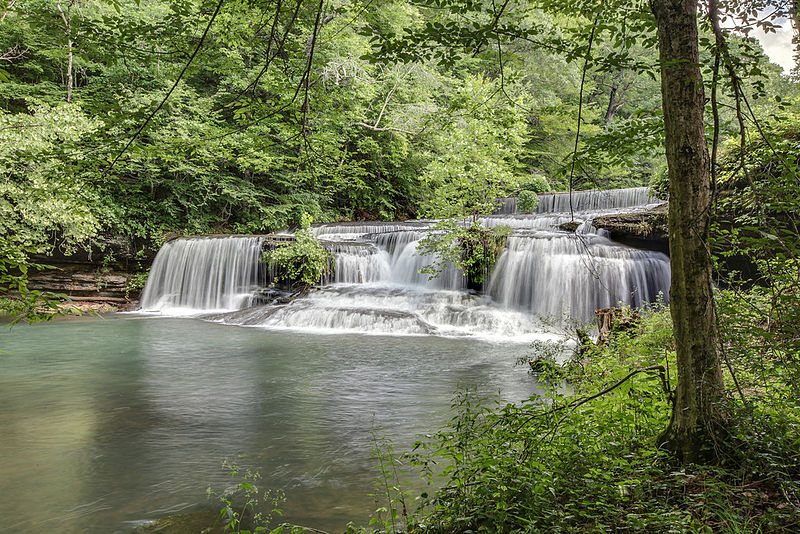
696 418
40 197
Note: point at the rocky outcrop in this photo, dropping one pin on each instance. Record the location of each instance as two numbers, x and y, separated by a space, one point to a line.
645 229
96 277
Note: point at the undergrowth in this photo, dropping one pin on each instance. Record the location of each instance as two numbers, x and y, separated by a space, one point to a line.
583 462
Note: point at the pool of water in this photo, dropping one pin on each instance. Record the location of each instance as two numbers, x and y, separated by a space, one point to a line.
105 422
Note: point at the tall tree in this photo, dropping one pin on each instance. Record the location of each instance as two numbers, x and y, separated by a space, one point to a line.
66 18
695 415
696 419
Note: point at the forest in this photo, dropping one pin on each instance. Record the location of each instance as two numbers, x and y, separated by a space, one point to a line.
148 122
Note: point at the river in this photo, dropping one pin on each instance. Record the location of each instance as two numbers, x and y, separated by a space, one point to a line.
109 422
106 423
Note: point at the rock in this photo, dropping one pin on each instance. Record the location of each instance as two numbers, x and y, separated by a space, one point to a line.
202 522
117 253
646 229
569 226
95 276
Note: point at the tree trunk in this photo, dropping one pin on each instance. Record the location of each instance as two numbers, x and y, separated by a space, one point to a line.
65 17
794 14
697 419
611 110
69 70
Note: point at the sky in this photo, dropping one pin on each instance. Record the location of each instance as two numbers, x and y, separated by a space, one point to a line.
778 46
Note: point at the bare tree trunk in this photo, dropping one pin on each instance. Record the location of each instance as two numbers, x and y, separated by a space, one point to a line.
612 105
68 32
697 419
794 13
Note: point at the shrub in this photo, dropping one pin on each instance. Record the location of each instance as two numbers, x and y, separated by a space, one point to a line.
537 184
583 458
304 261
527 201
473 249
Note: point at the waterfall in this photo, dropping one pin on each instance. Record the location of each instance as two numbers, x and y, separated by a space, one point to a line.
377 288
348 231
204 273
357 263
507 206
397 310
592 200
554 273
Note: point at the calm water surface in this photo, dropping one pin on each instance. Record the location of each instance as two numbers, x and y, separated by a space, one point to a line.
107 422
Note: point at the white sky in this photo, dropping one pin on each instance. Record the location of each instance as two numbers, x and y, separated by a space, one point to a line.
778 46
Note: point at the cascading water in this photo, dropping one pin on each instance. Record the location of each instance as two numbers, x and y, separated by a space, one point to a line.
551 274
203 274
592 200
357 263
376 286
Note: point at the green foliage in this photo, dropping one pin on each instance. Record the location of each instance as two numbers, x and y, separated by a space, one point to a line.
41 195
659 184
304 261
136 283
476 160
756 240
527 201
536 184
472 249
242 507
393 516
583 458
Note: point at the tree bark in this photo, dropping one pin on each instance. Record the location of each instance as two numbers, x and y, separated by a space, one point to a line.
697 419
611 110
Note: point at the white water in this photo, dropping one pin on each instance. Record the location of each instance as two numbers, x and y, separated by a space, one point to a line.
592 200
204 273
549 273
377 288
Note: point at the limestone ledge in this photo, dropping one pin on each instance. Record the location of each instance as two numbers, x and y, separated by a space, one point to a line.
645 229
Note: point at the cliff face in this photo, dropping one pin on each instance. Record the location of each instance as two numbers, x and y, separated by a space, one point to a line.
98 277
647 229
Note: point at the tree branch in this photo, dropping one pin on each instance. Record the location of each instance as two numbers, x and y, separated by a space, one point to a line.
383 129
169 93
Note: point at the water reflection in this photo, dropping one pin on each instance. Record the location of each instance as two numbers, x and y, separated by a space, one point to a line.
124 419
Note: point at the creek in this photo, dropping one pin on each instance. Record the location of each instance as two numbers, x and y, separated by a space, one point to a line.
105 423
110 422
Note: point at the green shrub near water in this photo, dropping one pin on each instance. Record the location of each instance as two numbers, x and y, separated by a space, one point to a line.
527 201
304 261
473 248
537 184
572 462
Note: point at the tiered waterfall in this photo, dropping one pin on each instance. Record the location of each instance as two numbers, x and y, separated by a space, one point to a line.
377 286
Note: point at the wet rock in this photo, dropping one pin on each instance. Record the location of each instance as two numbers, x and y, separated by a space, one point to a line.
646 229
202 522
96 275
